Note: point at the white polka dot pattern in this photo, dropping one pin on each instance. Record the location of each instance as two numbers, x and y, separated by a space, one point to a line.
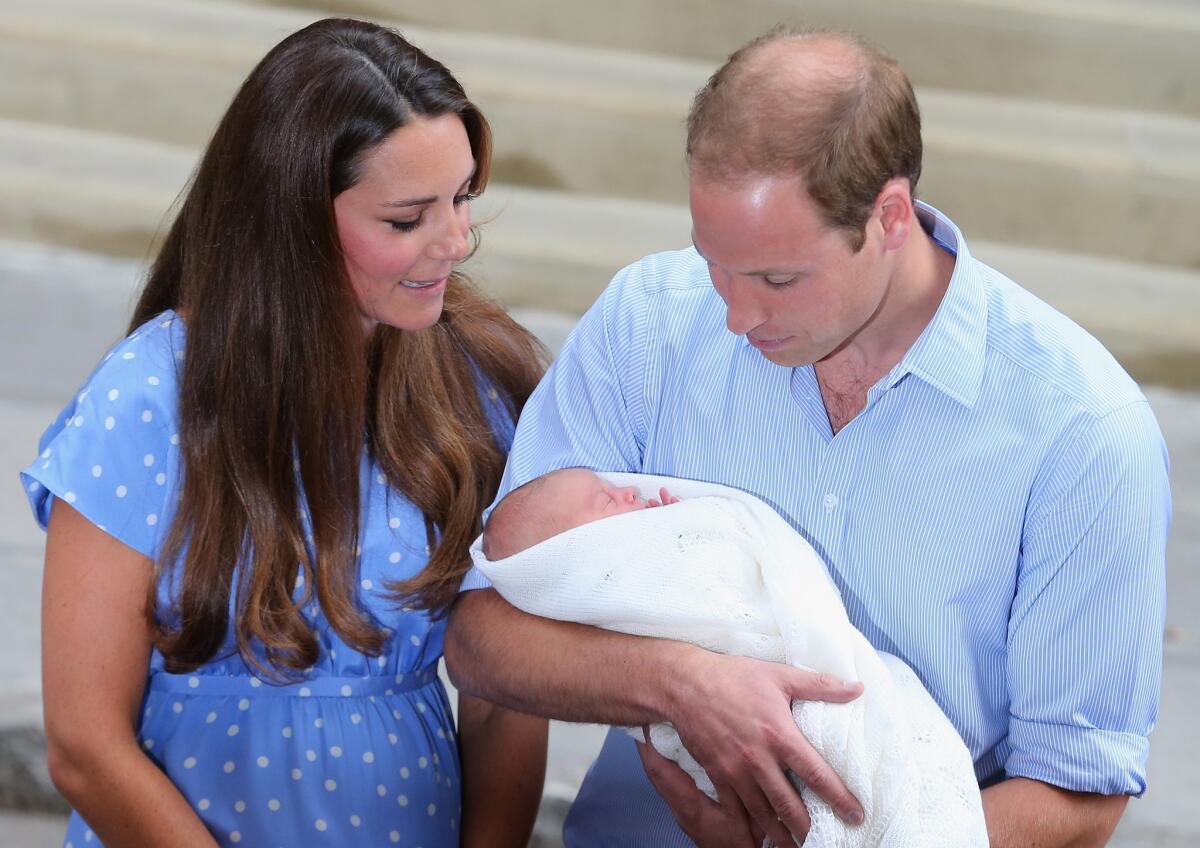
258 766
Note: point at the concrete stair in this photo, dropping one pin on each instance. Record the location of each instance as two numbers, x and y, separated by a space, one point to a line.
1127 54
551 250
1106 181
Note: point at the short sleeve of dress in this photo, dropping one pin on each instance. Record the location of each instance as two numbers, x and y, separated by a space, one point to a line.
113 452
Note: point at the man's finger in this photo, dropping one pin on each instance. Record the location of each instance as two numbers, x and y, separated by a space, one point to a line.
781 820
807 765
706 822
757 833
804 685
728 799
668 778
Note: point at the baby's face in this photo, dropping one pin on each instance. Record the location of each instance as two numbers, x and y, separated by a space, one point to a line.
585 497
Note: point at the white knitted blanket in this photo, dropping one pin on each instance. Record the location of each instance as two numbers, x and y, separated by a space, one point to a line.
724 571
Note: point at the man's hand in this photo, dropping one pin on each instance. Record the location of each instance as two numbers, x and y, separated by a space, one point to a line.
708 823
733 714
735 718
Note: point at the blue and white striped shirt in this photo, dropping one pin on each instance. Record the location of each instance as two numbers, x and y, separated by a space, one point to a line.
996 515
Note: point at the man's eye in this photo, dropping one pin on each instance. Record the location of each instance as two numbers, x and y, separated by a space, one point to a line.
780 281
405 226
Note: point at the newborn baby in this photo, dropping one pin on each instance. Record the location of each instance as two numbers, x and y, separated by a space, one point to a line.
557 502
724 571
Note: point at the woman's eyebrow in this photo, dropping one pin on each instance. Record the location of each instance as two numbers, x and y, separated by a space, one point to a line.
420 201
424 201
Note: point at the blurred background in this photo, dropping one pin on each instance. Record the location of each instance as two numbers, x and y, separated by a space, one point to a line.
1063 136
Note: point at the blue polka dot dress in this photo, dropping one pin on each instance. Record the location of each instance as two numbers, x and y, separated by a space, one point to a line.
362 751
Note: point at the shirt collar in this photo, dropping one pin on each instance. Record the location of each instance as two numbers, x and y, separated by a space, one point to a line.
949 353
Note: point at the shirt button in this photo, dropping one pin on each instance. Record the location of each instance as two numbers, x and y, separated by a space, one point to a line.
830 502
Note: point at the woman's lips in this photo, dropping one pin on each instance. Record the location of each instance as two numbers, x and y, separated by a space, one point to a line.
425 287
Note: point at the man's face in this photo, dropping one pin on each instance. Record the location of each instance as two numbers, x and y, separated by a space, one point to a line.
791 284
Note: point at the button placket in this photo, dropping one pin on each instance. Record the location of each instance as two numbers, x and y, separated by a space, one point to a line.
827 498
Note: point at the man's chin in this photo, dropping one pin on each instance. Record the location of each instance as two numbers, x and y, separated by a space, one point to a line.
786 358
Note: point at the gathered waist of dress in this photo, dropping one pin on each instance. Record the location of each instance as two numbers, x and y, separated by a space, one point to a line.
313 687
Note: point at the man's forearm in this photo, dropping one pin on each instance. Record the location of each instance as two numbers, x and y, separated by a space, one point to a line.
1031 814
578 673
559 669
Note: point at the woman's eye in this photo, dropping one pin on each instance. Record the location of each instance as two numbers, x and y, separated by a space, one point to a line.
405 226
465 198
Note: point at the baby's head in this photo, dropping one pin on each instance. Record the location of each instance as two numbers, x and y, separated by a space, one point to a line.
551 504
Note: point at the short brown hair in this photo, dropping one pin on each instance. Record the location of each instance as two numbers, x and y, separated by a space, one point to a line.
846 121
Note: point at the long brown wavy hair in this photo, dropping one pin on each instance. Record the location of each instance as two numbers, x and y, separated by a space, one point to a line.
277 388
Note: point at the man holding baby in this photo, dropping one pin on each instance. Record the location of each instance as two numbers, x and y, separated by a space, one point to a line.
986 485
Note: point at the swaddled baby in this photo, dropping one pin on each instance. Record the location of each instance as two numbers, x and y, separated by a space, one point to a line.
724 571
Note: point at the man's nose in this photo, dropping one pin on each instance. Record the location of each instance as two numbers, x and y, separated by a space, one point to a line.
742 313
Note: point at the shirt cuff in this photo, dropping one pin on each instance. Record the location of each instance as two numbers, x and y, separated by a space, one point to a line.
1080 759
474 579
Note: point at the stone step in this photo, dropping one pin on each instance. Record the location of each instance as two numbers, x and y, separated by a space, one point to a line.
110 194
608 122
554 251
1133 54
565 118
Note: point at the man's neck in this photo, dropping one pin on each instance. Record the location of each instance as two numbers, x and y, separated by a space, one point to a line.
919 283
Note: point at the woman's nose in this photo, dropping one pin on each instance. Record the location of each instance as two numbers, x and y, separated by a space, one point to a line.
454 242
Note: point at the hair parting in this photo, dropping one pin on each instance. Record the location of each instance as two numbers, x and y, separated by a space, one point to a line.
278 386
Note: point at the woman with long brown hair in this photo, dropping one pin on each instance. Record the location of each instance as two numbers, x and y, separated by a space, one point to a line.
260 503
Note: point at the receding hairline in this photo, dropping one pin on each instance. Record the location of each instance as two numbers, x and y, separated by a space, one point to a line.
826 106
823 54
823 69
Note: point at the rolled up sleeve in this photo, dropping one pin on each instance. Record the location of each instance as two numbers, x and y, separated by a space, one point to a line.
1085 635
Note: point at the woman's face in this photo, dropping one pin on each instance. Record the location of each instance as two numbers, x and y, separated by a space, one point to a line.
406 222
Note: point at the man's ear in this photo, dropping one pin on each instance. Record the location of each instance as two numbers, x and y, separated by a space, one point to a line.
894 211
